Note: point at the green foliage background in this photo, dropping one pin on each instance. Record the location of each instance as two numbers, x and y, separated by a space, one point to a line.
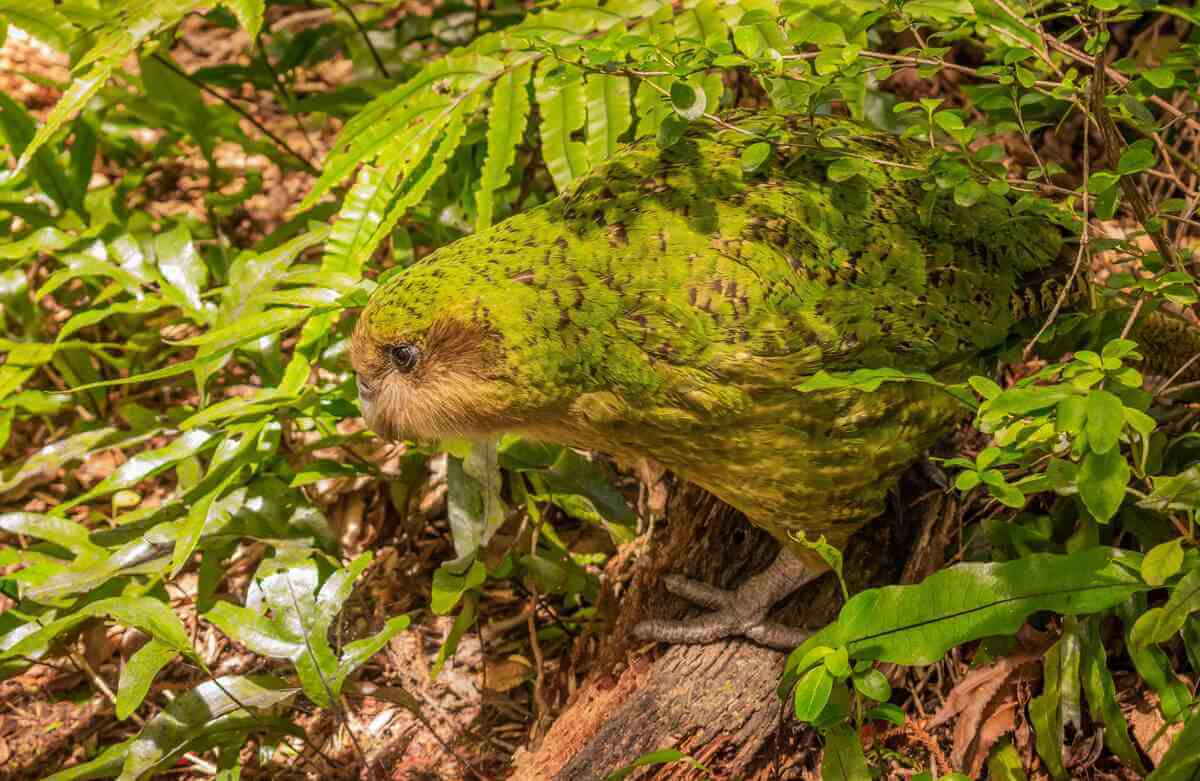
1090 483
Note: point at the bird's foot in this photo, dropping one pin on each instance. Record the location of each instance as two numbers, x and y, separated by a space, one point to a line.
738 613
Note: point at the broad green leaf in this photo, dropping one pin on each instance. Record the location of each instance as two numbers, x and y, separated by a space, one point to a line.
183 269
1022 401
153 616
1136 158
812 693
80 266
199 714
917 624
1105 419
1045 711
608 115
689 102
1175 492
19 128
843 759
249 14
1152 664
139 673
1160 624
265 323
53 529
359 652
146 464
755 156
1101 694
48 239
298 625
867 380
449 587
874 684
563 110
42 21
254 631
1162 562
473 504
1004 765
336 589
1102 480
507 119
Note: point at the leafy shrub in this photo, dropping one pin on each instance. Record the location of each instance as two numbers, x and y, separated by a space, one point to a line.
216 359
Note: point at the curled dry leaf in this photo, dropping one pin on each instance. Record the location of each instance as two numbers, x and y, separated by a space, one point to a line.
1147 722
985 704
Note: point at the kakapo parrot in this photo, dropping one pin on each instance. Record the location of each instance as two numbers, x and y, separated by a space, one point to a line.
670 305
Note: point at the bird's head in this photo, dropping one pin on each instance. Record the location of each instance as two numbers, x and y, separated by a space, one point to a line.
461 344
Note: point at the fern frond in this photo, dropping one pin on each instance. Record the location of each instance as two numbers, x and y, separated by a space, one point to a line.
40 19
608 114
413 113
362 211
562 110
123 27
402 192
652 104
383 195
506 126
701 23
249 14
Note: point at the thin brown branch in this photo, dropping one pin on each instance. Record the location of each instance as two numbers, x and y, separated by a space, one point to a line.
279 142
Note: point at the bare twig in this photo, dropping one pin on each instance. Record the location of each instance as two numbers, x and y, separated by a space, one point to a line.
366 38
279 142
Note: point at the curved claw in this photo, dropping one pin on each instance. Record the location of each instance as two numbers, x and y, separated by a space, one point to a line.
740 613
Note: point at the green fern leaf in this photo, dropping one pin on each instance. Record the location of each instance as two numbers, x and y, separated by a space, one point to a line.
506 127
608 115
761 35
562 109
249 14
407 119
361 212
417 184
126 26
653 106
702 23
40 19
381 196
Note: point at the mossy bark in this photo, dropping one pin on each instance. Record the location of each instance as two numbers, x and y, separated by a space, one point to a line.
716 702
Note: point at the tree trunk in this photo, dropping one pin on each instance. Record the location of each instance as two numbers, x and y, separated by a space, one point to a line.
715 702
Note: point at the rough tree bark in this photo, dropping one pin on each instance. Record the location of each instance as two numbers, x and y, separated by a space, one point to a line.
716 702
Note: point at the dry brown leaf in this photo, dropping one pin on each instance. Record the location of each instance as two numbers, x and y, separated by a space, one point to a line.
507 674
1147 722
985 705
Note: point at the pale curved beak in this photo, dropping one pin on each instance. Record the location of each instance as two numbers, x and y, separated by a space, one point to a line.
366 402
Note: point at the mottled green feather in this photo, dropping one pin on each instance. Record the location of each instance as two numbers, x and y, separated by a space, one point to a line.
667 305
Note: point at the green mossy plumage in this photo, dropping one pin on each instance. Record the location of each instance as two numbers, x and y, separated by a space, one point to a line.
668 305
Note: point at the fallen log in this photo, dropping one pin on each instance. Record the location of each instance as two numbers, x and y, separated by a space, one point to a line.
715 702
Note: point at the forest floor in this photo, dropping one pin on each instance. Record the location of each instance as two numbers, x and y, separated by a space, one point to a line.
482 707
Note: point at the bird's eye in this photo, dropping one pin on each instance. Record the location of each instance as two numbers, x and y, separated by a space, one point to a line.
404 356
